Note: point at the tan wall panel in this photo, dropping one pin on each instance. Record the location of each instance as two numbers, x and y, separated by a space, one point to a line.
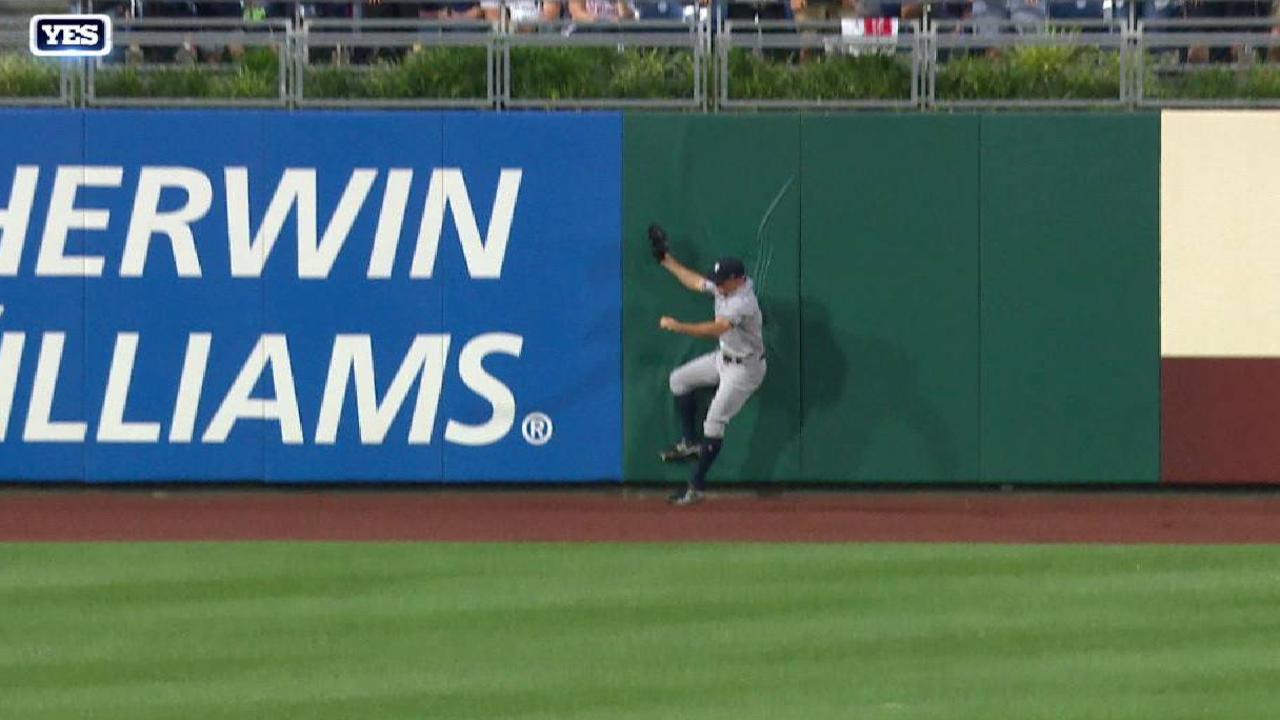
1220 234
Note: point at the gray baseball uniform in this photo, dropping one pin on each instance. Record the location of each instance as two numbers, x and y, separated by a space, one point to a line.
738 367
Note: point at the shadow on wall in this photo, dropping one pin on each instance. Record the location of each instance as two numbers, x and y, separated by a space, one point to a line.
779 417
856 388
886 390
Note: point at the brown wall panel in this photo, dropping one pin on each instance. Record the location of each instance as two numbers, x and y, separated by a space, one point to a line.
1221 420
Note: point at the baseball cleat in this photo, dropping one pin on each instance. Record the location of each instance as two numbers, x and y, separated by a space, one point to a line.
682 450
687 496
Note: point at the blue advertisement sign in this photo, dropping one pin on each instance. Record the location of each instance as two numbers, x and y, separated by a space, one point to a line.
302 297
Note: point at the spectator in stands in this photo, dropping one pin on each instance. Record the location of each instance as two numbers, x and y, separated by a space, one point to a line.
1149 9
255 10
221 10
1075 9
946 10
380 10
823 10
383 10
521 13
660 10
116 9
755 10
173 9
1225 10
601 10
988 14
454 11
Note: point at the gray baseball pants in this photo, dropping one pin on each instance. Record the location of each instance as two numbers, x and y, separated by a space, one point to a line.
734 382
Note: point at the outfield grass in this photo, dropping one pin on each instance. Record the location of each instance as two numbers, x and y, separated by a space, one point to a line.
638 631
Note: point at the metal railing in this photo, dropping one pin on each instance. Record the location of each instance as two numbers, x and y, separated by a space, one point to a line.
1165 63
1106 42
659 42
746 42
163 54
45 82
369 51
696 60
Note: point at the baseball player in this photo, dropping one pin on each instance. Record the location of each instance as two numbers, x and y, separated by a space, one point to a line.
736 368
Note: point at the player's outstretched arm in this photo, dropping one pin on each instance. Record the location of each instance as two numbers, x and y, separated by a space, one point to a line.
687 277
660 246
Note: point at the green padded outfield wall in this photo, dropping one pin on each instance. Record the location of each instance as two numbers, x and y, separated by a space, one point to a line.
889 298
947 297
1070 298
720 185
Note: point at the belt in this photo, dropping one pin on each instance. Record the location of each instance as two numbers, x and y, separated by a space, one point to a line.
738 361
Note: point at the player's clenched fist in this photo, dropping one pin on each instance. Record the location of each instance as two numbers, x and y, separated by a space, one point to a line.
668 323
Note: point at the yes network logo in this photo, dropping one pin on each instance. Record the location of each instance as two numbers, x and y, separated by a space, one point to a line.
70 35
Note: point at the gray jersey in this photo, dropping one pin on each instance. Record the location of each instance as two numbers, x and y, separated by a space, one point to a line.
745 339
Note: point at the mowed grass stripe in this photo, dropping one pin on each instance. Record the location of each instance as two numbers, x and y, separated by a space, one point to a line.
278 630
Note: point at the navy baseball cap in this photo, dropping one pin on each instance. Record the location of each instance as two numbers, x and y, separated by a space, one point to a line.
727 268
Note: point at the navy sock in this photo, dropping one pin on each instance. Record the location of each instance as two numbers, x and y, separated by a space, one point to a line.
710 449
686 407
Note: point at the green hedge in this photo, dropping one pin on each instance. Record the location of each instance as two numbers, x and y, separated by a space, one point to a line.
1031 73
253 75
578 73
1213 83
824 77
563 73
442 72
22 76
557 73
188 82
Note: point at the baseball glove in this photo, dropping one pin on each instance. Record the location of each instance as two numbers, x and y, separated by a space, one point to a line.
659 243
